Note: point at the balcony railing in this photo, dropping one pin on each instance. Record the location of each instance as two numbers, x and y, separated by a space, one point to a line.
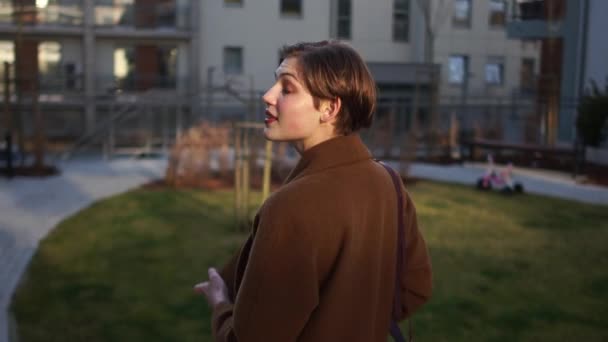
537 9
168 15
59 15
135 83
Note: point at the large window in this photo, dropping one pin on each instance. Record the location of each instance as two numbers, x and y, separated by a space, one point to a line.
497 13
291 8
462 13
401 20
233 60
48 12
495 71
458 69
7 55
344 18
49 66
143 67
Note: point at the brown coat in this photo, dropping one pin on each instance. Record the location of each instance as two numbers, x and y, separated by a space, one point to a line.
320 262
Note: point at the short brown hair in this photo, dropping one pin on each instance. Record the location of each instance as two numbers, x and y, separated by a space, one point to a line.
331 69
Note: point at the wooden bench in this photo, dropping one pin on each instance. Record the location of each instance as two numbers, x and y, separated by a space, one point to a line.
537 151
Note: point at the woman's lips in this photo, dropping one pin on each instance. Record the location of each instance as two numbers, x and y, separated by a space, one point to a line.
269 118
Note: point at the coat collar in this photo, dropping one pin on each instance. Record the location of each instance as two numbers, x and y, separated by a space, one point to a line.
331 153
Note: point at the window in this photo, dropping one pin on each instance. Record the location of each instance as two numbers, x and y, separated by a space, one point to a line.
497 13
495 70
143 67
49 59
233 60
458 69
291 8
56 12
124 67
344 19
233 3
462 13
49 56
527 79
7 54
141 14
401 20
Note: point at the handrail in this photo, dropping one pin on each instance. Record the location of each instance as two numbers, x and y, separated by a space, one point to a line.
127 110
87 138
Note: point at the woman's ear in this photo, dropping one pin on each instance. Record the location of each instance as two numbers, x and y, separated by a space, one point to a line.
331 108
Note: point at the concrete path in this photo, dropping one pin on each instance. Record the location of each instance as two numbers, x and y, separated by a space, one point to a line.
31 207
548 183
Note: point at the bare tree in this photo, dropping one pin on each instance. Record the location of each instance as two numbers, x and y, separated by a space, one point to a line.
434 13
434 17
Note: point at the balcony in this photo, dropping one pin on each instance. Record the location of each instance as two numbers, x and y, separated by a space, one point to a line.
47 15
536 19
172 15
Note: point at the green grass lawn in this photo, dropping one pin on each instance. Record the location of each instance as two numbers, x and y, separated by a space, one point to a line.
506 268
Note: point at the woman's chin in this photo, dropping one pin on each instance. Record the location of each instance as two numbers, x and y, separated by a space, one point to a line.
268 134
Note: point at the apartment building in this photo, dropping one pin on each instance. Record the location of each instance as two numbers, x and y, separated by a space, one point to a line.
79 58
241 39
478 63
477 57
574 53
84 53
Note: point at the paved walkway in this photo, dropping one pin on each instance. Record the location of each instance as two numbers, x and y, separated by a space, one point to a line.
548 183
30 208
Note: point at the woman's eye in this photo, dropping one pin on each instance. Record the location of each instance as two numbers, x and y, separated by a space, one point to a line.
285 90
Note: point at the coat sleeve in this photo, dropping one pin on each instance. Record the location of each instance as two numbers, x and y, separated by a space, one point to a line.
416 281
279 289
228 273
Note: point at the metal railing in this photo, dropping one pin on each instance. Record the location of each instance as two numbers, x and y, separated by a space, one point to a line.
60 15
172 14
537 9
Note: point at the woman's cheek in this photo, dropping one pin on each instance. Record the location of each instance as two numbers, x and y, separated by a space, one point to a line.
295 125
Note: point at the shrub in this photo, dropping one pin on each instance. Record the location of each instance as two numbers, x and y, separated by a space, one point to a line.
593 116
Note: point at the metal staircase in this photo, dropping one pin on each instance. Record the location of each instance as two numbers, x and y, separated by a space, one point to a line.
118 135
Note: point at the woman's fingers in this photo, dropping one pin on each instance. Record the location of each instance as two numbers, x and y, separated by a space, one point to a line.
201 287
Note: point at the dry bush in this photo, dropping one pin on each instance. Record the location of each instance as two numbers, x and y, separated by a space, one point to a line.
199 155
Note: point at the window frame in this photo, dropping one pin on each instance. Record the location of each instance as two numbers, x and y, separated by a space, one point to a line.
295 14
241 66
343 17
465 23
465 72
233 3
401 16
501 63
491 12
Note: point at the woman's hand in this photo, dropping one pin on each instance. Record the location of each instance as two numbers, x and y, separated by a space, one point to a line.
214 289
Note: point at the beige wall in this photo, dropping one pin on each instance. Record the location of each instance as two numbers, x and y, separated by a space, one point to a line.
261 31
480 42
372 33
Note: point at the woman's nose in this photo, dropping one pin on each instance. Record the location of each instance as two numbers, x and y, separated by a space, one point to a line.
269 98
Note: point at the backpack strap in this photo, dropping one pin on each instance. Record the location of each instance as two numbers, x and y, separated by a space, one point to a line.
394 328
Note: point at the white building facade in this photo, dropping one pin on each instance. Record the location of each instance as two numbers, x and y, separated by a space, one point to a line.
86 54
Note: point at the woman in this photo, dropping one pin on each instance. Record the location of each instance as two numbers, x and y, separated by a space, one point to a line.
319 264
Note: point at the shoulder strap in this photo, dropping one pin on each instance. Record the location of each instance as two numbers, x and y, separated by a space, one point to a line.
394 329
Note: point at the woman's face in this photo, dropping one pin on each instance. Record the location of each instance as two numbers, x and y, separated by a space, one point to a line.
290 113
